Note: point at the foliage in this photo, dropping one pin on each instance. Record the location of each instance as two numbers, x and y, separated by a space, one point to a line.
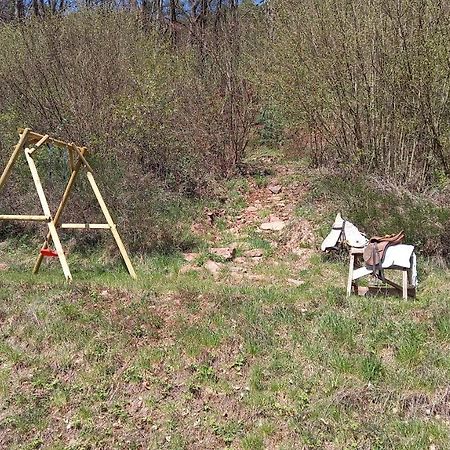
378 208
157 118
362 84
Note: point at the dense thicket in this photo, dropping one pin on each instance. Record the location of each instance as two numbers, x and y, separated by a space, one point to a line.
161 118
366 83
169 93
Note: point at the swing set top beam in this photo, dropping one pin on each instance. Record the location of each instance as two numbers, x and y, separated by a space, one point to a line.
33 138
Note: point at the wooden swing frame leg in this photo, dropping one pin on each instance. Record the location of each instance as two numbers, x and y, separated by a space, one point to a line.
60 210
112 225
28 137
13 158
51 224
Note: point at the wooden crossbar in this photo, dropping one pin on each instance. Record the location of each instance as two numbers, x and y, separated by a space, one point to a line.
39 144
81 226
44 139
24 217
34 138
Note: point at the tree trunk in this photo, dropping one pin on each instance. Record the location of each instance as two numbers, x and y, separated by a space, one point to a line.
19 9
173 20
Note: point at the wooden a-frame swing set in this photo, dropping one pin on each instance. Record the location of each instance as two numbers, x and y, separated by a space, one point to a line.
30 142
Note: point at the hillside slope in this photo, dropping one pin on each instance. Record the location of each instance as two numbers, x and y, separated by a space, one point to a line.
256 349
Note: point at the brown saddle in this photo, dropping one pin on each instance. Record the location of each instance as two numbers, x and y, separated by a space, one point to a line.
375 250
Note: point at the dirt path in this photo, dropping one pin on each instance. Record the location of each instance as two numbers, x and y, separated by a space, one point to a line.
268 233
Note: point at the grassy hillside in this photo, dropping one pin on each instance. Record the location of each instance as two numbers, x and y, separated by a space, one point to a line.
267 353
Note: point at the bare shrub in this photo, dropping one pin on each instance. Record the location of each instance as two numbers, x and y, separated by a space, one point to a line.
365 84
156 117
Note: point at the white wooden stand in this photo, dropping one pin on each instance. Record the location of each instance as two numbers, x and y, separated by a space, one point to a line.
407 288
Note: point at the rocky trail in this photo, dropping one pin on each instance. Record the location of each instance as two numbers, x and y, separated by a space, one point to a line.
265 234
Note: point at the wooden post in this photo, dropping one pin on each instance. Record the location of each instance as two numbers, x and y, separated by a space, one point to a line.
350 273
405 284
60 210
13 158
51 225
111 223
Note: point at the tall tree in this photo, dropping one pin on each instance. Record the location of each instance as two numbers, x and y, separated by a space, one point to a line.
19 11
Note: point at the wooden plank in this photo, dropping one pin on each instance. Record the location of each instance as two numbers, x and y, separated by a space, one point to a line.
38 144
13 157
60 251
37 183
33 138
71 161
394 285
350 274
60 209
114 231
42 141
46 209
405 284
24 217
81 226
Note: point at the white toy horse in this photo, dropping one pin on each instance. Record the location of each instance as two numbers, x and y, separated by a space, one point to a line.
400 256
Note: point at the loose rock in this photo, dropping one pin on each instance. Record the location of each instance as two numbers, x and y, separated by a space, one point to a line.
189 257
256 277
275 189
212 267
255 253
277 225
227 253
189 268
295 282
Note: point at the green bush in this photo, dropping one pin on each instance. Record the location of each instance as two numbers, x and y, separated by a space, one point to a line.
162 126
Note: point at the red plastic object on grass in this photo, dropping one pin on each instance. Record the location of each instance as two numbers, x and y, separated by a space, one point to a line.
48 252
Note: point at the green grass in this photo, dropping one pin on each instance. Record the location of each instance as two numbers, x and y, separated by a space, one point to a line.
182 361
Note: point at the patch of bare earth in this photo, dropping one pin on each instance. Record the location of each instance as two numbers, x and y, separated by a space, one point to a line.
271 213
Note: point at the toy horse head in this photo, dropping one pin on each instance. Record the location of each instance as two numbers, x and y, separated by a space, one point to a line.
343 233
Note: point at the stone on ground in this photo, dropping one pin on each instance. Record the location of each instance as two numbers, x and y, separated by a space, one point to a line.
255 253
295 282
189 257
189 268
212 267
227 253
274 188
276 225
